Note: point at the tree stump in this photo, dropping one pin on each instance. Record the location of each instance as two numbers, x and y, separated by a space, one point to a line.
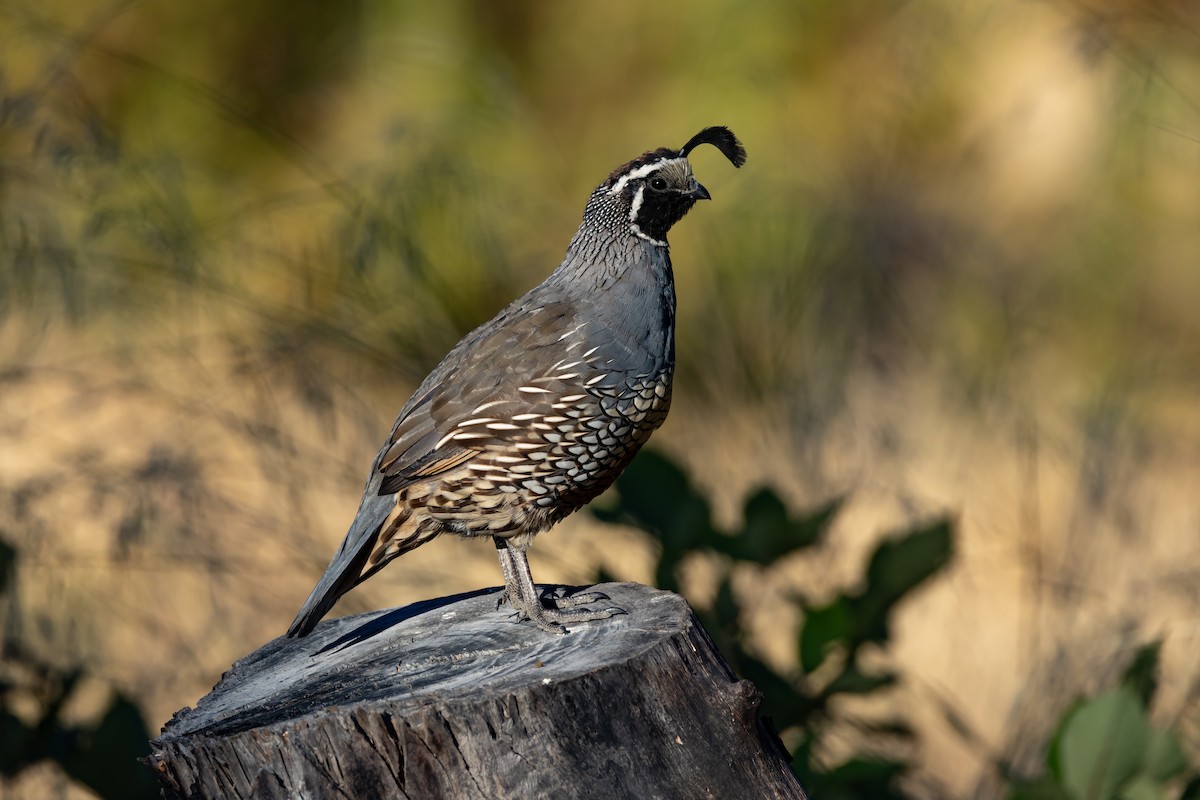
453 699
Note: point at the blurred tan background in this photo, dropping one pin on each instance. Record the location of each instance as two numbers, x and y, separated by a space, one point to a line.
959 274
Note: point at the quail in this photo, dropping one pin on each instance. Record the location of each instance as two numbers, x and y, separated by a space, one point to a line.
536 412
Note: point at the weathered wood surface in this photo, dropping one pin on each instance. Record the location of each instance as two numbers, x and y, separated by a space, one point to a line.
452 699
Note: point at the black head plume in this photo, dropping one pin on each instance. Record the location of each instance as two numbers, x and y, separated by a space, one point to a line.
721 138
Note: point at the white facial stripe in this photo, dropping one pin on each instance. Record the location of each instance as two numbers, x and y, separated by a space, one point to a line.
634 208
641 172
643 235
636 205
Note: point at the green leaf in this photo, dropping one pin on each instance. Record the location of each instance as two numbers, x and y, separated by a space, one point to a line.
893 728
896 567
1143 787
1142 672
655 495
603 576
854 681
14 736
1053 756
1192 790
900 565
1044 789
770 533
786 705
1102 744
821 629
8 565
725 606
105 758
1164 758
651 490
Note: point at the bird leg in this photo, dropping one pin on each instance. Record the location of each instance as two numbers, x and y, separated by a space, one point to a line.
523 595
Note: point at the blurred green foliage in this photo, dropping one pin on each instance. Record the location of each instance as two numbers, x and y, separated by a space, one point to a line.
1106 748
102 756
655 496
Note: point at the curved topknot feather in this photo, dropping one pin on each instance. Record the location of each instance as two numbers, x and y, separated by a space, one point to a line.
721 138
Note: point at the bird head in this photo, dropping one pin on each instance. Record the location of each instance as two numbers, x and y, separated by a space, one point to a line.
656 189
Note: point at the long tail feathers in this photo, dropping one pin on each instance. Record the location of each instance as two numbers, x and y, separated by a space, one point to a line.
344 570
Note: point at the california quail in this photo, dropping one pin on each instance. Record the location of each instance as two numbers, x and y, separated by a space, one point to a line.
536 412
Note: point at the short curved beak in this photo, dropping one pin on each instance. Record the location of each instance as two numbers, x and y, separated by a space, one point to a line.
700 193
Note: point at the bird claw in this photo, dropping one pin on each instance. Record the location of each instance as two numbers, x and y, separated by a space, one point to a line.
555 620
559 598
555 611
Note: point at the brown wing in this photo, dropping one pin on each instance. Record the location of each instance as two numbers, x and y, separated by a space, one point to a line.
505 374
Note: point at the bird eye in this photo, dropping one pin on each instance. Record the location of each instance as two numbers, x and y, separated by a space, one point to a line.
658 184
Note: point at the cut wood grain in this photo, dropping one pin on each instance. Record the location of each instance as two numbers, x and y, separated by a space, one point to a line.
453 699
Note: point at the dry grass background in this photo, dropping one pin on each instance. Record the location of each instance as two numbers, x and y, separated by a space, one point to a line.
957 275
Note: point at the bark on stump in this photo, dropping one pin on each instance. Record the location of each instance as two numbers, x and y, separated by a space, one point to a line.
451 699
